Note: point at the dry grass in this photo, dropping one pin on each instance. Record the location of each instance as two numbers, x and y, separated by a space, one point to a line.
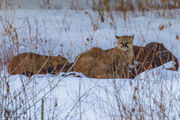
148 97
18 104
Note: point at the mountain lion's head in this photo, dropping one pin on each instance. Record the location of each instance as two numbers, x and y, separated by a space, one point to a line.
125 42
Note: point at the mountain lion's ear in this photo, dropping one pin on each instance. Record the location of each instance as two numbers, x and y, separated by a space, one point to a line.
117 37
132 37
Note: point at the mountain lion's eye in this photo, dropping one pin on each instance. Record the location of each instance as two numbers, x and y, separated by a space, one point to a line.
126 44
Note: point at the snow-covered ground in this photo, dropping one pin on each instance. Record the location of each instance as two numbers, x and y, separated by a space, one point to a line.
154 94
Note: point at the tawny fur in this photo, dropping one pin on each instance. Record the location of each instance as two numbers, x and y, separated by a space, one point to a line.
125 44
32 63
109 63
93 65
85 61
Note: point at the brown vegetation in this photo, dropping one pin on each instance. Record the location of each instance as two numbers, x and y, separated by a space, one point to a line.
30 63
1 2
140 5
151 56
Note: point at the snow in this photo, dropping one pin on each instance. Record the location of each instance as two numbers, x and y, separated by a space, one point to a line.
65 32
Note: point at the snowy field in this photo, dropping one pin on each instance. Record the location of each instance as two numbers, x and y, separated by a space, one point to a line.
152 95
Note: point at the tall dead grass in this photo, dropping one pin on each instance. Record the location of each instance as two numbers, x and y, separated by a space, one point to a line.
149 98
23 103
133 5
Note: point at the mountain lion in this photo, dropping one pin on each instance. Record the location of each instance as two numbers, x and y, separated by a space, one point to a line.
31 63
114 62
